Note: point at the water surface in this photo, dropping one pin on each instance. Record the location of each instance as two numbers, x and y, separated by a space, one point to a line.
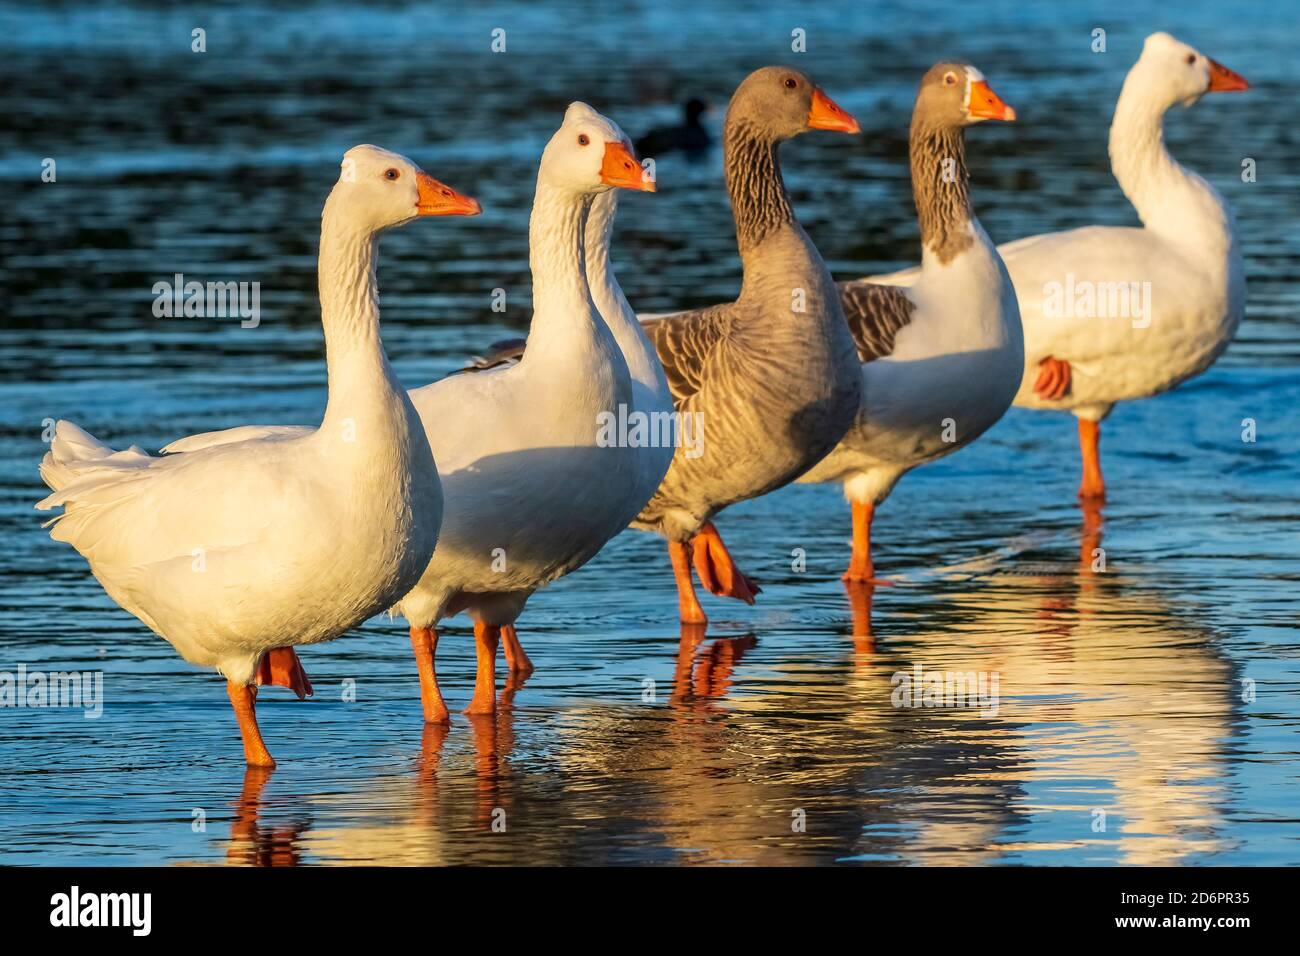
1125 696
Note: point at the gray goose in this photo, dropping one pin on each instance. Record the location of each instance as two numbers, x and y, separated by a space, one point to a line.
773 376
941 346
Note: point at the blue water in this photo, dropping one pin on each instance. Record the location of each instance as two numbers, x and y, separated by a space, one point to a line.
1147 714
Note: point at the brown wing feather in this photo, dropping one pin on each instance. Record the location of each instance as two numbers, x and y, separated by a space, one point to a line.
685 342
505 352
875 313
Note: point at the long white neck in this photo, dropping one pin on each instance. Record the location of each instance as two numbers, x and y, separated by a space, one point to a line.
563 312
361 383
1175 203
642 361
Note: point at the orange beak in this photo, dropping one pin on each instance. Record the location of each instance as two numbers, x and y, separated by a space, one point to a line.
824 114
985 104
437 199
1223 80
620 168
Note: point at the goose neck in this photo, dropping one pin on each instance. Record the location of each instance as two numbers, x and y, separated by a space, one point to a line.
562 304
759 200
356 365
1168 199
941 188
642 361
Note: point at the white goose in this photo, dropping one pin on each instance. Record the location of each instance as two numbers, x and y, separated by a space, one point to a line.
532 490
238 550
1177 282
941 346
652 402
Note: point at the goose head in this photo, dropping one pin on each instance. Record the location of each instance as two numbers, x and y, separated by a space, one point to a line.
779 102
1175 72
954 94
379 189
589 154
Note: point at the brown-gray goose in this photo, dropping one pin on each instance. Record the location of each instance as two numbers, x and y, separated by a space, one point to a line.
773 377
941 346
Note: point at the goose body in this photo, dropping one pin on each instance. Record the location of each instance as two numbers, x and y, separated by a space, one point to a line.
772 378
236 548
941 346
532 490
1113 314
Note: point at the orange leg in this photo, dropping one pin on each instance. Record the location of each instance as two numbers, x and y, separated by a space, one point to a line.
717 569
282 668
688 605
241 699
861 570
516 659
486 638
1053 378
424 641
1092 488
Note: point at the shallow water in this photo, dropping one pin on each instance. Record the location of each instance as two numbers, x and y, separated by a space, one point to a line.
1124 697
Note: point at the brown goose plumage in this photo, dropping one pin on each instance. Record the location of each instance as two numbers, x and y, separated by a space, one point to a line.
874 314
776 387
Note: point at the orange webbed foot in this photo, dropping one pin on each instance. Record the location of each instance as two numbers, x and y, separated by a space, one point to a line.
718 571
282 668
1053 380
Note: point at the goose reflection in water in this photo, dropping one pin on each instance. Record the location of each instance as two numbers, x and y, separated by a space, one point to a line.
1119 714
1113 697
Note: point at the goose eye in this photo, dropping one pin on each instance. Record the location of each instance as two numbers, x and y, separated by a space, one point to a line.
391 174
950 78
1191 58
791 82
583 140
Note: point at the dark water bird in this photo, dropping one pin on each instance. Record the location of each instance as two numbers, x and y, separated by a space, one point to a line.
689 137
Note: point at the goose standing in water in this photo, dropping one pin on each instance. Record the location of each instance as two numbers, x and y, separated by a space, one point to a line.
773 377
532 491
1177 283
941 346
249 542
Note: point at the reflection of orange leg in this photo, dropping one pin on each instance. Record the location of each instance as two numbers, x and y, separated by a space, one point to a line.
861 569
688 605
518 662
692 635
424 641
713 670
1092 488
241 699
1090 540
487 765
281 667
717 569
860 596
244 833
486 638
